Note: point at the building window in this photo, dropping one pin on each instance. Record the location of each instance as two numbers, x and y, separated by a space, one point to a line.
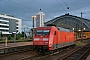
4 30
4 22
16 27
17 30
16 20
16 24
4 18
4 26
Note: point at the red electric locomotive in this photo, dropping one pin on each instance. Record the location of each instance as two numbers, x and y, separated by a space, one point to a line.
51 38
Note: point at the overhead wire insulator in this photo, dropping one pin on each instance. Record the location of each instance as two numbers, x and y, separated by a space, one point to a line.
67 7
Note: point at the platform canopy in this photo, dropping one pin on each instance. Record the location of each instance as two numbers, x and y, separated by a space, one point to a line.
71 22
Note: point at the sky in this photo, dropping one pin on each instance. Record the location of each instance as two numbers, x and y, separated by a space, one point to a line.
25 9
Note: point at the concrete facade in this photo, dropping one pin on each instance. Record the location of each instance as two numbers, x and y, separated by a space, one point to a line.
9 24
40 19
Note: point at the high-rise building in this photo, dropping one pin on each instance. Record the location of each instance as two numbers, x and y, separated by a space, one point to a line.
10 24
40 19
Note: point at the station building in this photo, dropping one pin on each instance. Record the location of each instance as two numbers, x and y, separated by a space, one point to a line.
10 24
80 25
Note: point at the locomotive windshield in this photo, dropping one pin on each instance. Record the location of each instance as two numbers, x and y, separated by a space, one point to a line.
42 32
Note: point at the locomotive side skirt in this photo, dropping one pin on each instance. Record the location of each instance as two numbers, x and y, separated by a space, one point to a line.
56 46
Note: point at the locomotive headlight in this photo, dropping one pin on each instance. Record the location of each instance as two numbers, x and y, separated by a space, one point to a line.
46 42
36 39
45 39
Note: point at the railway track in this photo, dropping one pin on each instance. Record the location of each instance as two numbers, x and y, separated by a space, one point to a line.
28 54
17 55
15 52
39 57
78 54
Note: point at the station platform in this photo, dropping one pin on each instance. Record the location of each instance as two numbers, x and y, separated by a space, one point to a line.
88 58
10 45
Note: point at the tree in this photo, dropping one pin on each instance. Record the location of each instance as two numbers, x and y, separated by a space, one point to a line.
9 37
17 36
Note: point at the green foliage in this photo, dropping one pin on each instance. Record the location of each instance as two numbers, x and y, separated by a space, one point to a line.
9 37
78 43
12 35
0 35
17 37
22 35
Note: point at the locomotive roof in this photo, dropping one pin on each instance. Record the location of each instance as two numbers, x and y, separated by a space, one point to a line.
59 28
63 29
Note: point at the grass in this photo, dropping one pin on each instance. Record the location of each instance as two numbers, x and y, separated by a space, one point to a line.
78 43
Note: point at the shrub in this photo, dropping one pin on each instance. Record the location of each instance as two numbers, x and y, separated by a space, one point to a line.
9 37
17 37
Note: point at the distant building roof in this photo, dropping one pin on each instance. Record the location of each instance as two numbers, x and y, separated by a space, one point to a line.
70 22
6 14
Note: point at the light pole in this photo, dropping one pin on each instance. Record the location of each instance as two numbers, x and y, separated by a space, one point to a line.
14 36
0 34
33 17
24 31
81 27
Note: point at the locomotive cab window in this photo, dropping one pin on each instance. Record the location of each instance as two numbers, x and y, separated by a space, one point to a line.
42 32
39 32
46 32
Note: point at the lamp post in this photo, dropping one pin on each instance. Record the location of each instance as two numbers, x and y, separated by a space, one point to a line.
77 33
24 31
81 27
33 17
0 34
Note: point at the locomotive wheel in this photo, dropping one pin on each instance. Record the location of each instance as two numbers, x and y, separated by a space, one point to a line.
51 52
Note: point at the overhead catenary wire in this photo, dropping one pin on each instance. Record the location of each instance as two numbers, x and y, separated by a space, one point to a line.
79 7
22 5
61 5
26 6
40 4
68 7
65 3
76 5
30 7
22 18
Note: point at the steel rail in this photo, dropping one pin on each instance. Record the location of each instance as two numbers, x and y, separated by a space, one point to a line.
73 52
83 54
15 52
40 57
